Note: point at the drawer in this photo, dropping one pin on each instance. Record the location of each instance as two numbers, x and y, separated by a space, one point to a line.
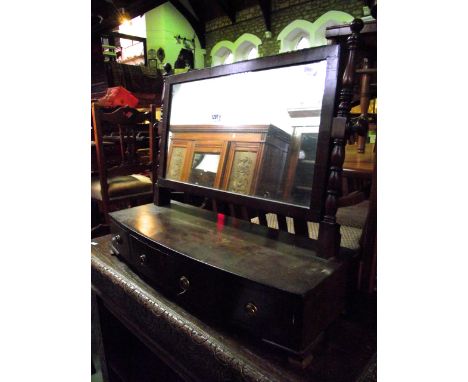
215 295
150 262
120 241
191 261
266 313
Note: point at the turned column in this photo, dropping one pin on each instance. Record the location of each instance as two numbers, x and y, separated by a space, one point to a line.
162 196
364 100
329 230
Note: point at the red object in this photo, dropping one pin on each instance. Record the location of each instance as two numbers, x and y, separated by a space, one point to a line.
118 96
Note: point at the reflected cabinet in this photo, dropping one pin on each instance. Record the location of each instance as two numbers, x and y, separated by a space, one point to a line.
248 159
301 163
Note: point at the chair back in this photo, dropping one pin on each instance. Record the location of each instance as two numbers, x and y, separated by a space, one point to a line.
131 132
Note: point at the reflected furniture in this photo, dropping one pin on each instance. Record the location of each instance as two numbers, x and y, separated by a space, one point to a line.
298 181
123 173
249 160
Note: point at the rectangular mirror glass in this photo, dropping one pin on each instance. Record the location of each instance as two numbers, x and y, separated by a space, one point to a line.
204 169
252 133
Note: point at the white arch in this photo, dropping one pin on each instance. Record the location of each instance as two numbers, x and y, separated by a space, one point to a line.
326 20
314 32
220 51
293 32
244 44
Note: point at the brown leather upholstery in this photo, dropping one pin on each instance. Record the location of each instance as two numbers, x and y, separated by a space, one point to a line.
122 186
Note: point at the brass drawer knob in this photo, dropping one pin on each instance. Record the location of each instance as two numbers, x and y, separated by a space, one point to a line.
251 309
117 239
143 259
184 285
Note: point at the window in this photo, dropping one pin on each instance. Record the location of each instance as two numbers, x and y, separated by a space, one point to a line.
132 51
252 53
222 53
246 47
302 43
301 34
246 51
228 59
227 52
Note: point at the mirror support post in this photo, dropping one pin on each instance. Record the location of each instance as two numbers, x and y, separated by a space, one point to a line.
161 196
329 230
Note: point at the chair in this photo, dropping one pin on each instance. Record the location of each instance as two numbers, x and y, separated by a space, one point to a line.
124 175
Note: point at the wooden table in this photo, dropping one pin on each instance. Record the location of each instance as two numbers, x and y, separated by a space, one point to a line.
143 336
359 164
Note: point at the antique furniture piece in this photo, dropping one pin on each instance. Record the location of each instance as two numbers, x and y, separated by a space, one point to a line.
360 168
143 336
121 176
230 275
298 182
210 100
247 159
283 289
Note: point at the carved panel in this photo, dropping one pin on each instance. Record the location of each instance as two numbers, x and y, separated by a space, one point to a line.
177 163
203 352
242 172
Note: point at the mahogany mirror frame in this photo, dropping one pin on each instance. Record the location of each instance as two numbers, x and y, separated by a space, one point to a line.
313 212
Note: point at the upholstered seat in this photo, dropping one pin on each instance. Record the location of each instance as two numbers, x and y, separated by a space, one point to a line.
351 219
122 186
117 181
353 216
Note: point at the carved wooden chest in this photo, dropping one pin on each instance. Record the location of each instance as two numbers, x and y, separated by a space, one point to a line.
225 270
248 159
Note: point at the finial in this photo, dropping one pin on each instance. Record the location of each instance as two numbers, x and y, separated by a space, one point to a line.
356 25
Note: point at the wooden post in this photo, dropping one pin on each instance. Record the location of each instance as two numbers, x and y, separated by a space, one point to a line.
329 230
162 196
364 104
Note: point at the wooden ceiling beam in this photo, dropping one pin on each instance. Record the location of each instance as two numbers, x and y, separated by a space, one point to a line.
228 8
111 17
197 25
265 6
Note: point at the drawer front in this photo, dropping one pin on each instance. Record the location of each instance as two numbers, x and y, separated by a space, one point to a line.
150 262
268 314
217 295
120 241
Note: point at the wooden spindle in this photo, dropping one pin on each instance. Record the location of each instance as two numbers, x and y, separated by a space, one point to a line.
362 125
282 222
329 230
162 196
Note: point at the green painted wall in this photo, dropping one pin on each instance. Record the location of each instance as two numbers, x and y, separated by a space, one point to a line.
165 22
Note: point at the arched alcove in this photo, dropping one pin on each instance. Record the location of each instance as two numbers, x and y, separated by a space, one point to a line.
326 20
246 47
293 33
297 33
222 53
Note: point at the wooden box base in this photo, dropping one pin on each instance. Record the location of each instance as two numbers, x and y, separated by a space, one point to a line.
227 270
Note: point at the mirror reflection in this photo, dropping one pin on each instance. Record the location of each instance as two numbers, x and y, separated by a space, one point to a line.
252 133
204 169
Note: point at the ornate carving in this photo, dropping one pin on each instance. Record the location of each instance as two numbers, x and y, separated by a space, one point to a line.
177 163
205 355
241 176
